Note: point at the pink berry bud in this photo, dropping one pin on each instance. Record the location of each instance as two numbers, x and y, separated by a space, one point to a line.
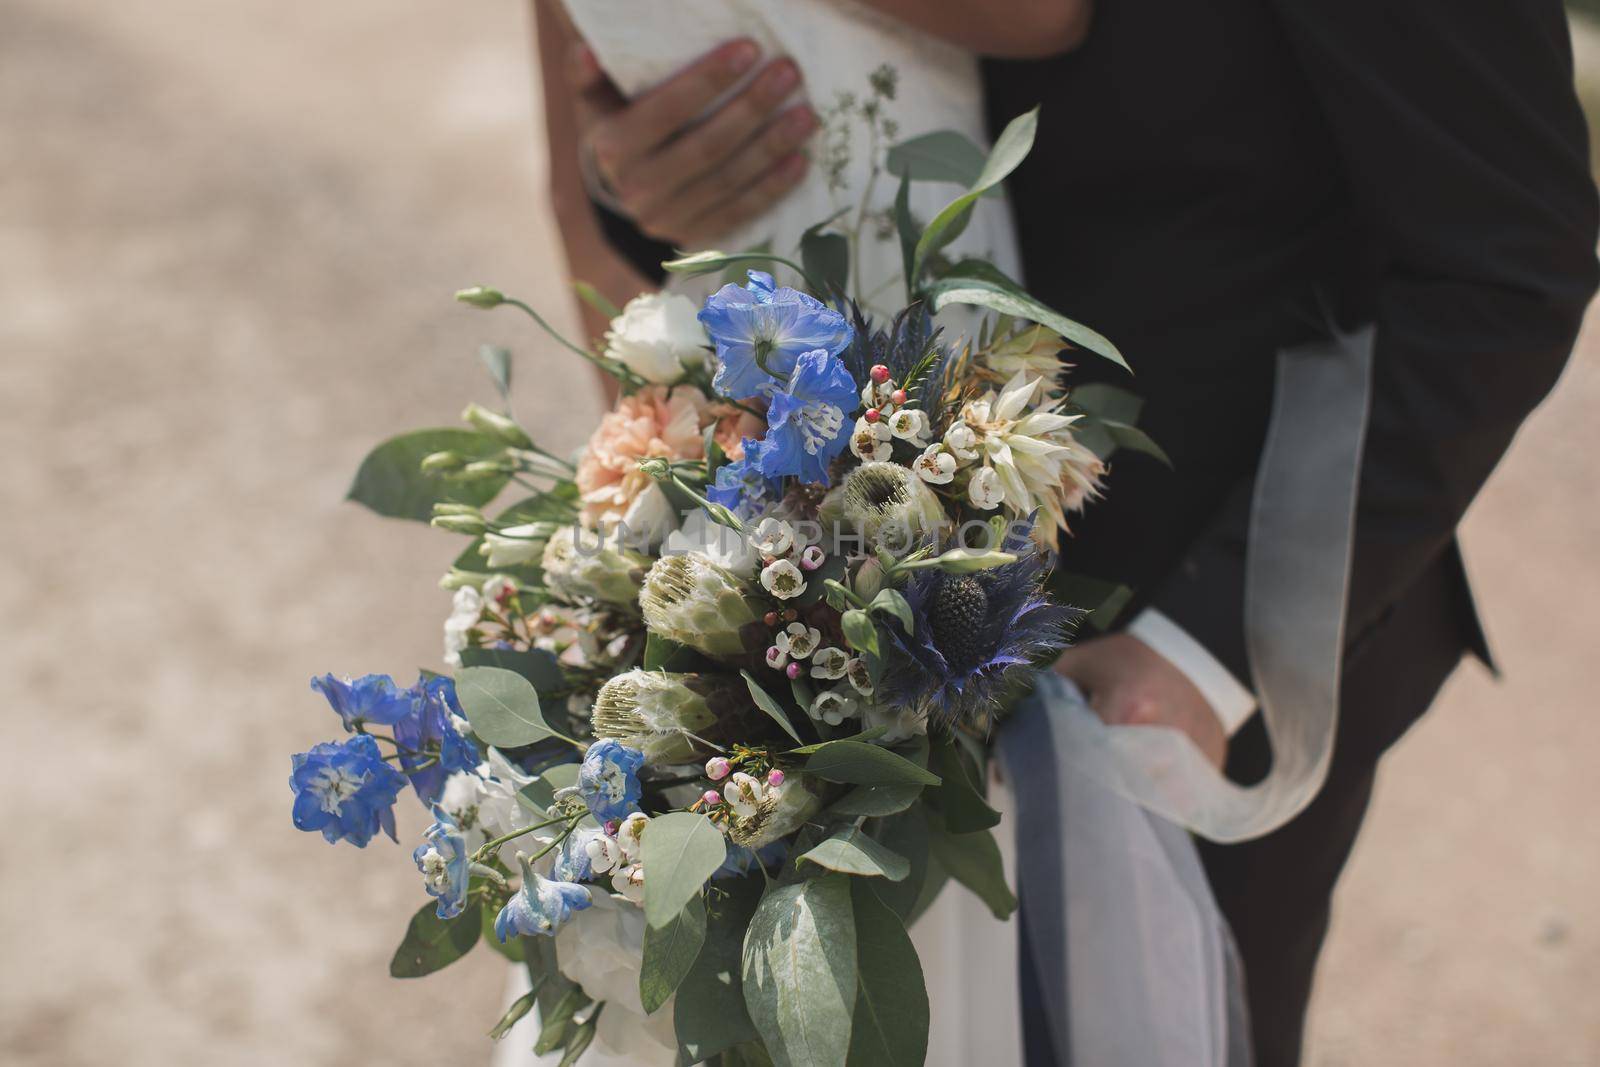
873 415
775 656
792 670
811 558
774 777
717 768
898 396
880 373
770 618
711 798
611 827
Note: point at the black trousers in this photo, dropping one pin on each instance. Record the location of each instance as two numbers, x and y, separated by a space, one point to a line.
1276 891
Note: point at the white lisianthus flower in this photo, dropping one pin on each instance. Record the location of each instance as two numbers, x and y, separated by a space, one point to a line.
460 799
834 707
516 545
909 424
961 441
465 609
743 795
871 442
783 579
601 949
773 537
830 663
985 490
656 334
935 466
797 640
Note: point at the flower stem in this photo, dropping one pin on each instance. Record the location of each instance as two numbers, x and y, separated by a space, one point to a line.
488 848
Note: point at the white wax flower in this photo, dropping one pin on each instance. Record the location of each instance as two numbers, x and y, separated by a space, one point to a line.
985 490
961 441
908 424
743 794
773 537
935 466
783 579
871 442
830 663
656 334
797 640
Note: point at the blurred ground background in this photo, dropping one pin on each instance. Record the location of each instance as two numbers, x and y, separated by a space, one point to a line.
228 235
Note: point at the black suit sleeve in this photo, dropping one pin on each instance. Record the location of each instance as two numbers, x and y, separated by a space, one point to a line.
646 255
1466 153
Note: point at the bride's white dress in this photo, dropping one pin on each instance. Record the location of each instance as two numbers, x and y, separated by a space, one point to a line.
969 959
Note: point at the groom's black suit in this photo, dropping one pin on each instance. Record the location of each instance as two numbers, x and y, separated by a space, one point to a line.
1207 180
1205 175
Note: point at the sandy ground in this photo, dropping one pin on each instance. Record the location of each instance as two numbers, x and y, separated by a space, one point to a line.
228 234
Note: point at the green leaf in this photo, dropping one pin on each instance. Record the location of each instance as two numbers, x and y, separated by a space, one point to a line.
940 156
876 801
555 505
514 1014
826 258
859 631
664 654
766 703
710 260
893 602
432 943
800 972
1010 149
869 734
858 763
578 1043
681 850
1135 440
514 950
1102 400
558 1020
502 706
890 1025
906 835
392 483
850 851
974 861
539 794
1005 296
497 361
958 799
709 1014
540 668
669 952
596 299
907 228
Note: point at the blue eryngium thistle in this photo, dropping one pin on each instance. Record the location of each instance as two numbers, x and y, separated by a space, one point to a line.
540 907
345 790
445 864
760 331
608 779
973 636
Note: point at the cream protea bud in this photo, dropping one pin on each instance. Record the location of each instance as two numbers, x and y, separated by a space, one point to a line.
887 504
778 812
663 715
690 600
583 565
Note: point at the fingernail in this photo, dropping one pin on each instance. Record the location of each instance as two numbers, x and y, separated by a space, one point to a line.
740 56
799 121
783 77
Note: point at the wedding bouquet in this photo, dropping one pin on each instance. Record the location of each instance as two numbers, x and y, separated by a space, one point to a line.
723 686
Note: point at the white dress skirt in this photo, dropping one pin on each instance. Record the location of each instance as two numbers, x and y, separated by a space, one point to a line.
969 958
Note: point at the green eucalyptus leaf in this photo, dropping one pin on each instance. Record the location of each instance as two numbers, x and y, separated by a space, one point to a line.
680 850
497 361
1005 296
849 850
1102 400
799 971
876 801
541 669
664 654
709 1013
1135 440
890 1023
869 734
596 299
974 861
826 258
669 953
906 226
502 706
766 703
859 631
940 156
907 835
432 943
392 483
958 799
858 763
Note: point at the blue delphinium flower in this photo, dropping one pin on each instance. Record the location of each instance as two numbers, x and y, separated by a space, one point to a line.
972 636
373 699
345 790
445 863
806 422
572 856
741 487
760 331
540 907
608 779
430 725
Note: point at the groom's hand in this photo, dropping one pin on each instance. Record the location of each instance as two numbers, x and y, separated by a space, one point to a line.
683 174
1130 684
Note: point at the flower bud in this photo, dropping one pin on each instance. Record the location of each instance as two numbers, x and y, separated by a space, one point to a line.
711 798
886 503
514 546
459 519
664 715
691 600
775 777
497 426
717 768
584 566
481 469
656 468
442 462
481 296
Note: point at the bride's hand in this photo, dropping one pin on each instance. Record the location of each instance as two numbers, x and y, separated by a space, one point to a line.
683 175
1128 683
